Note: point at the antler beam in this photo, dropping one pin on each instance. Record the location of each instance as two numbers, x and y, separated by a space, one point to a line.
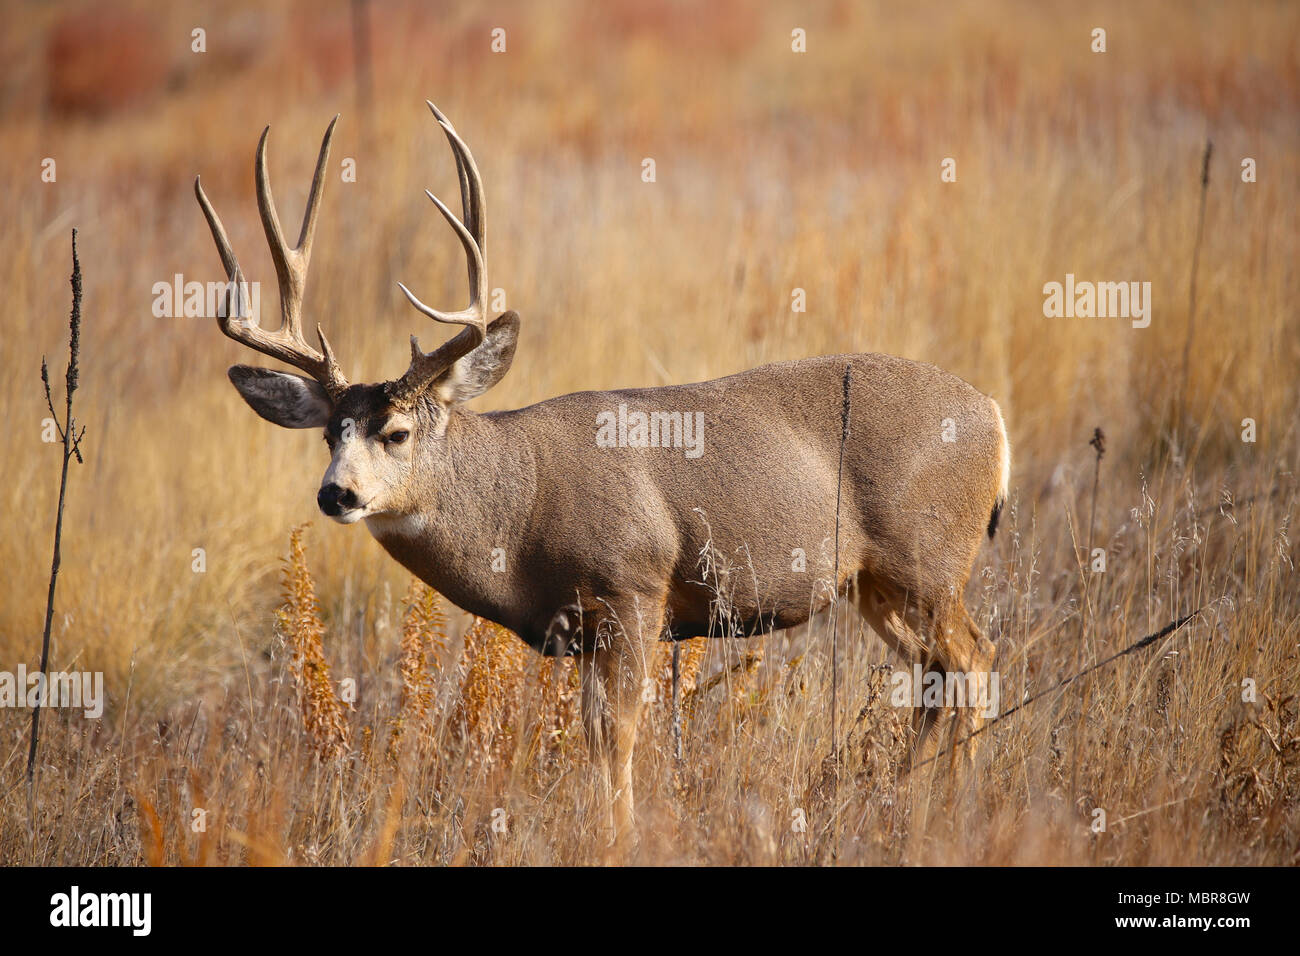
427 366
286 344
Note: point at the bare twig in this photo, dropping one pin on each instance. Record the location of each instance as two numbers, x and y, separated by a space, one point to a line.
677 701
1098 442
70 438
839 480
1191 292
835 590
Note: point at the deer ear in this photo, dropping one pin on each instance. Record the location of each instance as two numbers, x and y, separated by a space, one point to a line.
290 401
482 368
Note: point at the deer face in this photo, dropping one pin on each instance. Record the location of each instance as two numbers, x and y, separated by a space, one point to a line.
377 433
372 445
371 439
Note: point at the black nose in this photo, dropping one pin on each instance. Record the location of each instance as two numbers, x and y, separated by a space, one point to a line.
334 500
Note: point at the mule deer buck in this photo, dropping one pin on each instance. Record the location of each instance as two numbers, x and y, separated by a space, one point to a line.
528 519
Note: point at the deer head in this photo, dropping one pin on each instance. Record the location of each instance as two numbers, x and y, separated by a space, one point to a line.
377 434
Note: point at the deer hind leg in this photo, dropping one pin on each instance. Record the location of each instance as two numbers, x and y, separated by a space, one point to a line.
956 661
888 616
970 657
614 677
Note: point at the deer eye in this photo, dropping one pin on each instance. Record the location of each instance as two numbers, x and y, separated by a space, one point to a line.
397 437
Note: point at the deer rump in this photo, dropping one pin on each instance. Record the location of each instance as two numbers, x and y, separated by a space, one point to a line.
741 538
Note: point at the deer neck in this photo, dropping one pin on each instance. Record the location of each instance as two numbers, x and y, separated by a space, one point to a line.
470 501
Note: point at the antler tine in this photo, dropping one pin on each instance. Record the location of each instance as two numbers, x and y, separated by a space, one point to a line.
286 344
291 264
228 260
308 232
465 198
475 259
472 234
471 199
234 274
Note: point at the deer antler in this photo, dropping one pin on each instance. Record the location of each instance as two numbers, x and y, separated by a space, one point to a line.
286 344
427 366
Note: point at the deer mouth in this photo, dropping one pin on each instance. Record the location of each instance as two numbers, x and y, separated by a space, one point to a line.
352 515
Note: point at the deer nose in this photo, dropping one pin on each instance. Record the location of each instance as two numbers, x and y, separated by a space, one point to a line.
334 500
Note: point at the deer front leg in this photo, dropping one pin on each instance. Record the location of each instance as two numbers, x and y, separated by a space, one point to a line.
614 682
596 718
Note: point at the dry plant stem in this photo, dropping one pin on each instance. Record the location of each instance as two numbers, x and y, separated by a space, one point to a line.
835 587
71 442
1191 291
299 617
1098 442
677 701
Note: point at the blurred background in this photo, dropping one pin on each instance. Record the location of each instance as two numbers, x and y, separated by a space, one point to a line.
775 170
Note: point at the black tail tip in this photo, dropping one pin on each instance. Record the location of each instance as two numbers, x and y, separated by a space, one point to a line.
993 518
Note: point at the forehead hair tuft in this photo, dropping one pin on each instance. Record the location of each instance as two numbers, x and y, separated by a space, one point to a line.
370 406
361 403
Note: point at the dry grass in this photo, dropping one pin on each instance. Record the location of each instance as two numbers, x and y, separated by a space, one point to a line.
775 171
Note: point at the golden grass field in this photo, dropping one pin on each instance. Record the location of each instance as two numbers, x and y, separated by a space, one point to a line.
775 170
